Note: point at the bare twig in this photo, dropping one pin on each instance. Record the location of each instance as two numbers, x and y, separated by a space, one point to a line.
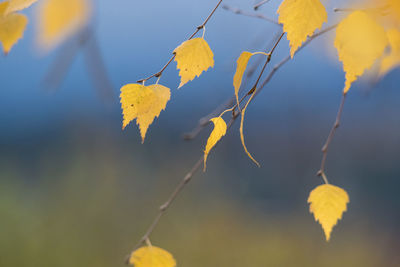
325 148
249 14
198 28
259 4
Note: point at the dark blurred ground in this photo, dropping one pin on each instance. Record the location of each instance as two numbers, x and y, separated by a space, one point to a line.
77 191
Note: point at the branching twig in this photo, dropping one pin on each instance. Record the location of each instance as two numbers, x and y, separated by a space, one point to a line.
325 148
249 14
198 28
196 166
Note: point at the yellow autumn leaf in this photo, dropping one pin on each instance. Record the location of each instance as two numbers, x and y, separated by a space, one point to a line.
60 19
12 27
218 132
240 69
241 130
360 41
152 256
16 5
143 103
300 19
392 59
328 202
193 57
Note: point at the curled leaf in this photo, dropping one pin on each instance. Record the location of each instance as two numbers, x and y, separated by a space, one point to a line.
360 41
193 57
300 19
240 69
328 202
143 103
152 256
218 132
241 130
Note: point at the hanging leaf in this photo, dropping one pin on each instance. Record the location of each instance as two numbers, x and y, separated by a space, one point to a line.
61 19
240 69
218 132
300 19
152 256
193 57
241 130
16 5
360 41
392 59
143 103
328 202
12 27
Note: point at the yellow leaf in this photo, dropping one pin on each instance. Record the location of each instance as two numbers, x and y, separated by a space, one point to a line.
300 18
392 60
61 19
240 69
359 42
12 27
328 202
143 103
16 5
152 256
193 57
241 130
218 132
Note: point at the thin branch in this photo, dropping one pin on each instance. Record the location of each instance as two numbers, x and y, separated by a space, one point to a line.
249 14
198 28
325 148
187 178
258 5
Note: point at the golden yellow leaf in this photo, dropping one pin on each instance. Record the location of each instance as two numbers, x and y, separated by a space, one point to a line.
218 132
193 57
61 19
16 5
328 202
300 19
359 42
240 69
391 60
241 130
143 103
152 256
12 27
3 7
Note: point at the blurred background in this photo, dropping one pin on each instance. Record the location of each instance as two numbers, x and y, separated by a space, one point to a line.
76 190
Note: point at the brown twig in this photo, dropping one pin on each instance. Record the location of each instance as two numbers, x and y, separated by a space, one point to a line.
187 178
325 148
259 4
198 28
249 14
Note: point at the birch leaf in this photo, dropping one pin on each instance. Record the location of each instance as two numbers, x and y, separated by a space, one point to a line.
328 202
12 27
143 103
152 256
240 69
16 5
193 57
241 130
300 19
391 60
359 42
61 19
218 132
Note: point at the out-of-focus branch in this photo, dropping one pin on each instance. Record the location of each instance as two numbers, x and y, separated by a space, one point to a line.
259 4
249 14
